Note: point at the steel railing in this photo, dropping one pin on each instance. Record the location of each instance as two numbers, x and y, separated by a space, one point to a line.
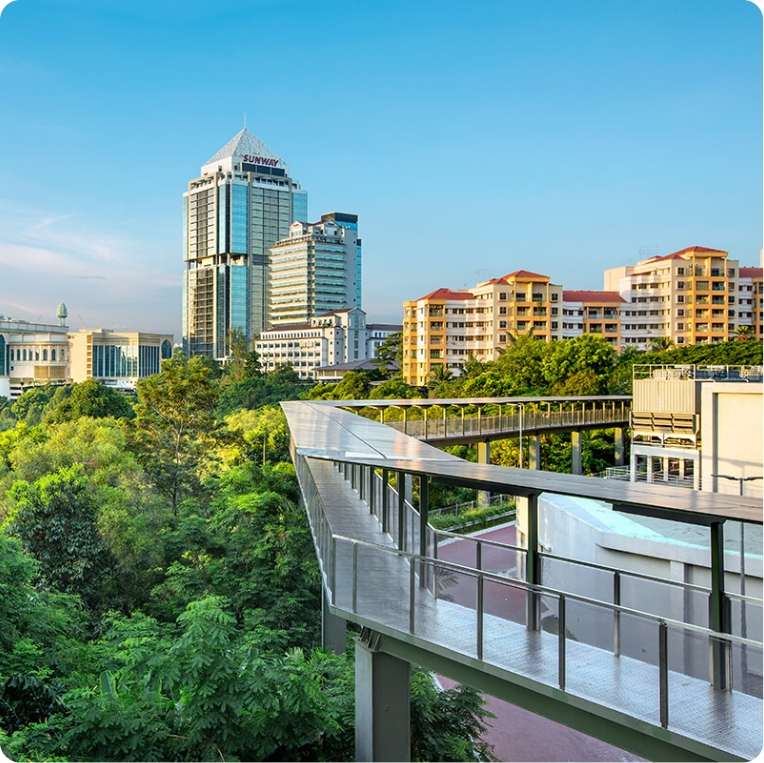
567 646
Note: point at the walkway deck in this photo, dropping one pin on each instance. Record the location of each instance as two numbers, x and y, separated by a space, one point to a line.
370 582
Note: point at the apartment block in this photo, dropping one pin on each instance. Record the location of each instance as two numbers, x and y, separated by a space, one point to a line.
444 328
592 312
688 297
751 301
314 270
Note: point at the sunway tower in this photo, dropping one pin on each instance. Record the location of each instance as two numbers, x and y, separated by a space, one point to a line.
241 205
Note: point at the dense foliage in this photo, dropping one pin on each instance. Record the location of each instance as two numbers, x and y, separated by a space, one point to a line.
160 598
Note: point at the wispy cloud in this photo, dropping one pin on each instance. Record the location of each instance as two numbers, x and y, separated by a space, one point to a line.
59 256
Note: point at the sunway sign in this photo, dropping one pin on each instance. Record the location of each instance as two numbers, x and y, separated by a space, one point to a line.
249 159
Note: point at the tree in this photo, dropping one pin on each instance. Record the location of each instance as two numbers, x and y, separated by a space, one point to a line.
238 347
174 424
743 333
32 404
659 344
389 354
578 366
55 519
90 398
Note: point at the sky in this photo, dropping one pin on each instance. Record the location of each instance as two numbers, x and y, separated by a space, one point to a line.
472 139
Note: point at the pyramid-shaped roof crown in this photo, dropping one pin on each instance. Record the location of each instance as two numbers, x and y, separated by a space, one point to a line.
244 147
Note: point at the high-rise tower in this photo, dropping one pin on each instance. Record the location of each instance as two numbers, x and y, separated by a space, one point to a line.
241 205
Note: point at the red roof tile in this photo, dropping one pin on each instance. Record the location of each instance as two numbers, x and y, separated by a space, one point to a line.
751 272
674 255
592 296
523 274
444 293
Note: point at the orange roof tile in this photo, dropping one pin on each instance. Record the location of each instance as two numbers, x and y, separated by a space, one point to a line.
675 255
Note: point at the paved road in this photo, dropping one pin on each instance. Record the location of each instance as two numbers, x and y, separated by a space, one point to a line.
516 734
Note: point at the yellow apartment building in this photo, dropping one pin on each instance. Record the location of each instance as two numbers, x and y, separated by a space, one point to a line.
592 312
688 297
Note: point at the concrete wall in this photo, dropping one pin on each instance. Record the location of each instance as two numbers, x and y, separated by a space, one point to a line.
731 435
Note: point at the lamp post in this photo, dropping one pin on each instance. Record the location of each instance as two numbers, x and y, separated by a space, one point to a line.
521 406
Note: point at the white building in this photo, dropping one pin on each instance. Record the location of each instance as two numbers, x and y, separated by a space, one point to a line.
336 338
314 270
32 354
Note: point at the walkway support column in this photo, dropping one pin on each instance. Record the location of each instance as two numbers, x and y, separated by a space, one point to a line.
533 563
534 454
620 452
484 457
718 616
424 510
575 453
333 629
382 715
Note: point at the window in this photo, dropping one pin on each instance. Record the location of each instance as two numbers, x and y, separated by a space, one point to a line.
502 310
502 295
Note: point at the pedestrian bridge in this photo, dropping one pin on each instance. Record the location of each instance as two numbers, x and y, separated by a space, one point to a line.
458 420
660 683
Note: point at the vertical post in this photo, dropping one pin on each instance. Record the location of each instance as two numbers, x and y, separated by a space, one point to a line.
617 614
484 457
534 459
649 469
718 616
480 581
425 422
355 577
480 420
561 643
412 598
620 451
362 482
575 453
663 672
372 491
445 421
424 510
382 714
462 410
385 502
401 485
405 420
533 564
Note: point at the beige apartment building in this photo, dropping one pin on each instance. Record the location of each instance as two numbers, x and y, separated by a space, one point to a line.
592 312
444 328
688 297
751 301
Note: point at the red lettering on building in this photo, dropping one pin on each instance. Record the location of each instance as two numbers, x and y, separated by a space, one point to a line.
260 160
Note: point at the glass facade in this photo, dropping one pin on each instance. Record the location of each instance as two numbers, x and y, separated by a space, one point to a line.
239 219
300 206
3 363
238 298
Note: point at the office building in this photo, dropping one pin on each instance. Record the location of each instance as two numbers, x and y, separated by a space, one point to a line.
243 202
315 270
116 358
687 297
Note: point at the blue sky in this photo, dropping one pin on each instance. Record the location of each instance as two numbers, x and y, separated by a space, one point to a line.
472 139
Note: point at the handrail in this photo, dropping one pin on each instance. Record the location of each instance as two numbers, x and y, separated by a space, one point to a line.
544 590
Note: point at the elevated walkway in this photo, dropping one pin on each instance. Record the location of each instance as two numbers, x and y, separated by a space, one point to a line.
676 691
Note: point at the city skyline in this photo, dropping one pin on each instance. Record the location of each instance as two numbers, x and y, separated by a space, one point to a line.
568 138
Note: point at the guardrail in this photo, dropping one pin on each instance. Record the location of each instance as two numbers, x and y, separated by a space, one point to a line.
566 649
509 423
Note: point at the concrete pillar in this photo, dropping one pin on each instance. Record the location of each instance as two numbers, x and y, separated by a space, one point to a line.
619 448
333 629
484 457
534 452
634 466
382 715
575 453
666 465
649 469
681 468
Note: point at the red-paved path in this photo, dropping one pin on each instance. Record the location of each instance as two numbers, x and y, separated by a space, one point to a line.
516 734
